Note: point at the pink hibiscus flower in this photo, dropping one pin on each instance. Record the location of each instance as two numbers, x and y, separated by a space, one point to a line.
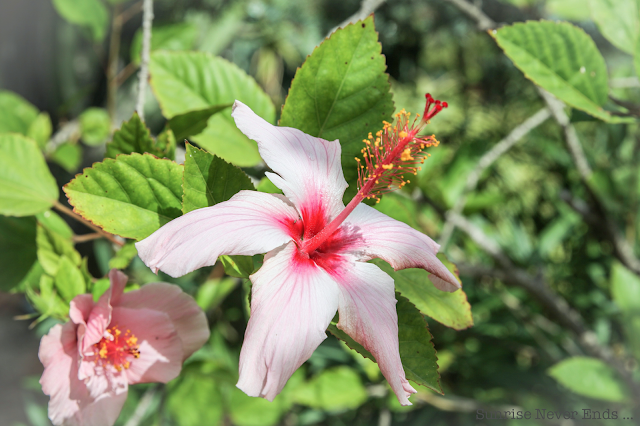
316 247
125 338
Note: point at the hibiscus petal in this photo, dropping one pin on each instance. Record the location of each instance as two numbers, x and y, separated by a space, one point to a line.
187 317
309 168
160 347
397 243
292 304
71 403
367 310
249 223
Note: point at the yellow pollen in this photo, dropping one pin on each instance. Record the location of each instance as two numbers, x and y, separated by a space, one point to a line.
387 166
403 134
406 155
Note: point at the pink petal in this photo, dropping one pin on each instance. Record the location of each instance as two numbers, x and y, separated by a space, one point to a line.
187 317
399 244
367 310
71 403
309 171
293 302
249 223
160 347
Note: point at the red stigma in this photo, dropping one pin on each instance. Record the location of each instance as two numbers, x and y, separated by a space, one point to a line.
433 107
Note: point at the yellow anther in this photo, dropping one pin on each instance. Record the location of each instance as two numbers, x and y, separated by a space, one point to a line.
387 166
402 134
406 155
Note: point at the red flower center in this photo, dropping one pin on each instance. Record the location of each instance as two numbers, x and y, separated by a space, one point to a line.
117 348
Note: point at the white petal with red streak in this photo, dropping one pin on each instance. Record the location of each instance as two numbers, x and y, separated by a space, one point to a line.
309 168
367 310
398 244
293 302
250 222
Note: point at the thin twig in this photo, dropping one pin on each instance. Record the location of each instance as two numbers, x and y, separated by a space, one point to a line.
86 237
487 160
367 7
68 131
66 210
147 19
125 73
112 65
474 12
537 287
143 406
130 12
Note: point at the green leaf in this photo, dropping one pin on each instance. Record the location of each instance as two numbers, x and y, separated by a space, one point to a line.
134 136
40 129
213 292
166 143
16 114
69 281
90 14
562 59
195 401
237 266
190 81
53 222
131 196
417 352
245 410
124 256
47 301
26 185
590 377
193 122
167 37
450 309
68 156
342 92
95 126
18 248
209 180
52 247
99 288
265 185
416 348
335 389
618 21
625 291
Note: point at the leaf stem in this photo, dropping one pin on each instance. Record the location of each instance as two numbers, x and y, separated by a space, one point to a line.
66 210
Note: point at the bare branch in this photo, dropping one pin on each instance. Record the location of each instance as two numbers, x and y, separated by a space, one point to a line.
537 287
367 7
143 406
147 19
70 130
474 12
487 160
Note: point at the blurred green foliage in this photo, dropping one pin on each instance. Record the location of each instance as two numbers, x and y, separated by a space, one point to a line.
531 204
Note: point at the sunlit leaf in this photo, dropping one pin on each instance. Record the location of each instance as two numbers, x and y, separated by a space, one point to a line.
618 21
590 377
195 400
334 389
16 114
90 14
562 59
26 184
450 309
95 126
342 92
131 196
134 136
68 156
190 81
180 36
